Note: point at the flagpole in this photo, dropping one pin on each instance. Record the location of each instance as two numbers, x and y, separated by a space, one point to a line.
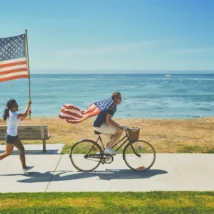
28 66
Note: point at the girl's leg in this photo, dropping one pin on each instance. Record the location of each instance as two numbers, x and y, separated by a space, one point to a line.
21 149
9 149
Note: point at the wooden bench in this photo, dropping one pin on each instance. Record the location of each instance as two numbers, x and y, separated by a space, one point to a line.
29 132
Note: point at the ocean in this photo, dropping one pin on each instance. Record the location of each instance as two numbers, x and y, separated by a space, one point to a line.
144 95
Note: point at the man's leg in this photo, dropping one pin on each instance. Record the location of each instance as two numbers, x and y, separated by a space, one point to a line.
114 134
114 138
9 149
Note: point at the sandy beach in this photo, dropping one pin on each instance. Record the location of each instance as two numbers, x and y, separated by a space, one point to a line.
166 135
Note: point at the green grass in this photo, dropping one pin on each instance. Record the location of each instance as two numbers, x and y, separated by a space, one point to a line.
194 149
66 149
151 202
184 149
190 149
210 150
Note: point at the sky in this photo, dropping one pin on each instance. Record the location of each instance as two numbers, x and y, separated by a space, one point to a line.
113 35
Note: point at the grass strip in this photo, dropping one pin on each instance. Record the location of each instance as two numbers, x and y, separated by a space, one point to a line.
128 202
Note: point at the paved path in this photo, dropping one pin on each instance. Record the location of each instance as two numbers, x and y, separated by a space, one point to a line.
53 172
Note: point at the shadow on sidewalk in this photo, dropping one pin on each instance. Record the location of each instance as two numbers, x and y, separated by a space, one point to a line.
36 177
39 152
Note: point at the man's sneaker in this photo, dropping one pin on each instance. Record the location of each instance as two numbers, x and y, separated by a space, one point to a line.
109 151
27 168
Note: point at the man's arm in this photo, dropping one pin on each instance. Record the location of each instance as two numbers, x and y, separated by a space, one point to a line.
111 122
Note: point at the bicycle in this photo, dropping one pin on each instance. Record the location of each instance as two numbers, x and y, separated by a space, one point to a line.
139 155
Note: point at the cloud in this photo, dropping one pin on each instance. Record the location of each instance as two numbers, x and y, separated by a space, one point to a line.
108 49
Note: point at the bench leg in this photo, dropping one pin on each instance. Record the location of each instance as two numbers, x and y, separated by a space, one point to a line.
44 145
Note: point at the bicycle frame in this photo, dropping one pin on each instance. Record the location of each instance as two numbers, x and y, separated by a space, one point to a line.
124 139
100 156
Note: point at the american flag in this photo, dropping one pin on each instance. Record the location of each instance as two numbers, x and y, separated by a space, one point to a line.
74 114
13 63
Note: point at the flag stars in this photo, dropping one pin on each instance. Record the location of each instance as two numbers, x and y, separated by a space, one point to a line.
13 47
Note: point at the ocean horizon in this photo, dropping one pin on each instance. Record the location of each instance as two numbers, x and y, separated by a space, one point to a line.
163 95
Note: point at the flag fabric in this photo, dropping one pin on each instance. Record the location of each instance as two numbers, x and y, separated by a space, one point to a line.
13 63
74 114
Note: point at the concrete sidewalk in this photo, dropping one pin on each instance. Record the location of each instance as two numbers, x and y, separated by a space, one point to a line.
54 172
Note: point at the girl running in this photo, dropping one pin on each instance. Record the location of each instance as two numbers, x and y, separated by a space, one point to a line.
13 119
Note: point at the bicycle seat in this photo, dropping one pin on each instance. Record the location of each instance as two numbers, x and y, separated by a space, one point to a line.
97 133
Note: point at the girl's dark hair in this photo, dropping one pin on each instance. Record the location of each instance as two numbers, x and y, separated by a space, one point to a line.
115 94
10 104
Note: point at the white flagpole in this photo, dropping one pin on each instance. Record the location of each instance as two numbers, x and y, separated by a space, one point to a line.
28 65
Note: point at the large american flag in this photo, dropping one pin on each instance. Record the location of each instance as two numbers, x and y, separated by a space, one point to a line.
74 114
13 63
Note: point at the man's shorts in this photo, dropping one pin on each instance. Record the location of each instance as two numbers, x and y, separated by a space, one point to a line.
105 129
11 139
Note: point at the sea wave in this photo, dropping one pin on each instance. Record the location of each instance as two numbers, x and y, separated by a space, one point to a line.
130 86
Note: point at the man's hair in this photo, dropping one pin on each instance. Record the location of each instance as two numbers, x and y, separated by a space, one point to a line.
115 94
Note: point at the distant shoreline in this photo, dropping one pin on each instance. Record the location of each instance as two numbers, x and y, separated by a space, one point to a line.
128 73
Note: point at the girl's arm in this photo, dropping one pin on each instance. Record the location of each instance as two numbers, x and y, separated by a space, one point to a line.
26 113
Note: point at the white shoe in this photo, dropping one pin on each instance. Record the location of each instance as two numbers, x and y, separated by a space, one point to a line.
27 168
109 151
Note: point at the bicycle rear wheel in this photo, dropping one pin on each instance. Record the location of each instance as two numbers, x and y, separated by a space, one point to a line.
139 155
85 155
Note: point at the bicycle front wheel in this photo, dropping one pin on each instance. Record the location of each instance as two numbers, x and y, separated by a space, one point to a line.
85 155
139 155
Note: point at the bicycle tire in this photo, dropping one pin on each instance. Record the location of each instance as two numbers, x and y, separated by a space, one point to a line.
74 163
130 147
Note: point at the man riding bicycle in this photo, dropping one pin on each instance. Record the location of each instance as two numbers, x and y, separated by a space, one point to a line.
86 155
104 123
